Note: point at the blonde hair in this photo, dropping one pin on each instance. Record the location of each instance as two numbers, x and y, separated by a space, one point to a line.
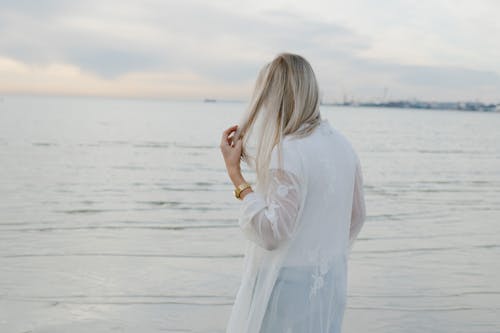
286 100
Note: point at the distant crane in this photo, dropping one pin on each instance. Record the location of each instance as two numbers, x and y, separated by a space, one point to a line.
384 96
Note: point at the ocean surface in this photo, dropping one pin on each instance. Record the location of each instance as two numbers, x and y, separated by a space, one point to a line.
117 216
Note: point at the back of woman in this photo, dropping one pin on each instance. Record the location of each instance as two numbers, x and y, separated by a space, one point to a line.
329 174
310 292
305 213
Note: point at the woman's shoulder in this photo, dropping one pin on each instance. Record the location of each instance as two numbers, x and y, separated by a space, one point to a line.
291 156
324 139
288 146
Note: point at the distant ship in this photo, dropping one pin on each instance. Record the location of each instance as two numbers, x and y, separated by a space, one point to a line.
209 100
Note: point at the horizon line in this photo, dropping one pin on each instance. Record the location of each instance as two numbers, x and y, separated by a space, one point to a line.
228 100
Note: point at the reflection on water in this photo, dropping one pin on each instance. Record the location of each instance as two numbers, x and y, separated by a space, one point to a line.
116 215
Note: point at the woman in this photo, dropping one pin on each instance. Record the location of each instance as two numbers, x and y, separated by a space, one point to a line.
305 213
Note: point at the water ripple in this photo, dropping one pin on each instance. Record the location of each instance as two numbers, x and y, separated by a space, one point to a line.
141 255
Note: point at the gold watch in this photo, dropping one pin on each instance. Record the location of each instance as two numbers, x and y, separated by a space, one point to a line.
240 188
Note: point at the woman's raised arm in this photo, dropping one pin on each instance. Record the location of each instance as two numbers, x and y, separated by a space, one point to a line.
270 220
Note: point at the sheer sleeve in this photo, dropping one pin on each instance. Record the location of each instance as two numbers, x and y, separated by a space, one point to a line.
270 220
358 206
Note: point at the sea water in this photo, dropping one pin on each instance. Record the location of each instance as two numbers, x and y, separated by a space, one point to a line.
117 215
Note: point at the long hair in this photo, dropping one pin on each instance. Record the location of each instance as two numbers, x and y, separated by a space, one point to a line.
285 101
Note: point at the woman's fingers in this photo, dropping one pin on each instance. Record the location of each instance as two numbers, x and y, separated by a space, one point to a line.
231 148
225 135
230 129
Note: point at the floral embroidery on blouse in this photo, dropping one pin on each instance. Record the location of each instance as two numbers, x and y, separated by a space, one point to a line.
273 217
321 262
282 190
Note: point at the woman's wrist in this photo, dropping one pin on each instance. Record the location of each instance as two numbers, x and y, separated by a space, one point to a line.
238 180
245 192
234 170
236 176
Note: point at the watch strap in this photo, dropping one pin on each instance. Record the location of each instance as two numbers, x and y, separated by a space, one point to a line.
240 188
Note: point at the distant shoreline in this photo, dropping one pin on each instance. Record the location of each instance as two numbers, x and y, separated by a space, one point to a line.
401 104
420 105
452 106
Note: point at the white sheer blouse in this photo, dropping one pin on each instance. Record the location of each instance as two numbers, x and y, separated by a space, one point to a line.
300 234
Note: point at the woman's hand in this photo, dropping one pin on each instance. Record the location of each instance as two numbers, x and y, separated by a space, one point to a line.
231 150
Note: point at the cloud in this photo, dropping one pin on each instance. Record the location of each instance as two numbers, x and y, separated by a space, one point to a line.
58 79
198 36
447 76
220 44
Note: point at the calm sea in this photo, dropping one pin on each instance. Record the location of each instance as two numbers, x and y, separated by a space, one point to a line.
117 215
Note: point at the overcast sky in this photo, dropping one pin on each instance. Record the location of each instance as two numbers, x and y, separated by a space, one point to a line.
427 49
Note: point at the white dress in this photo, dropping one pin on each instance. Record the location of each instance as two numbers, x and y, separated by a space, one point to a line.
300 234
